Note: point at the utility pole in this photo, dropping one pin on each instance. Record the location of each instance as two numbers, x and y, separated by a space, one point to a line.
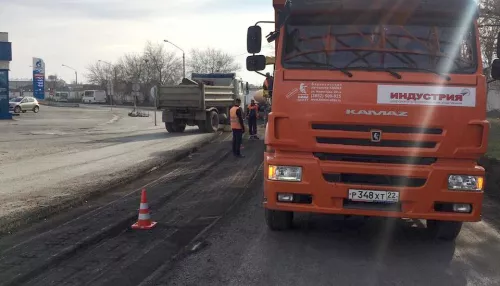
111 89
76 73
183 58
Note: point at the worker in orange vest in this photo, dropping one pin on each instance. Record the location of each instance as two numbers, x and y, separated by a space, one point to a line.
252 116
238 127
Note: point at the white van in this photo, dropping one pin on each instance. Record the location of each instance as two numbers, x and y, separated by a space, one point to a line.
62 96
94 96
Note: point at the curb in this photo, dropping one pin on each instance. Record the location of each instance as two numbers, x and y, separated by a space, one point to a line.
60 104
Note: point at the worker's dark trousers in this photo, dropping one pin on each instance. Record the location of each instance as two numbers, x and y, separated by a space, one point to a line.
252 125
237 136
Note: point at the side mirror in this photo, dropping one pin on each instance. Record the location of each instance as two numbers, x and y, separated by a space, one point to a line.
256 63
495 69
254 39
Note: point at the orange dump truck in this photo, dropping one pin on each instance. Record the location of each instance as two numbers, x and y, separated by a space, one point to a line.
379 110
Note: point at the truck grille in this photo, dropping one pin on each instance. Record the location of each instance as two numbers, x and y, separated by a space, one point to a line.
375 159
375 180
349 135
383 143
383 128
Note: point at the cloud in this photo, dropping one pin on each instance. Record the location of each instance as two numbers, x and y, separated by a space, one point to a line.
79 32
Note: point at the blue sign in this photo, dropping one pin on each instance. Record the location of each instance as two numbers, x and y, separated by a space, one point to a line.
4 95
5 51
38 78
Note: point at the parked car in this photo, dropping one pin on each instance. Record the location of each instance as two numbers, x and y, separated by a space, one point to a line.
23 104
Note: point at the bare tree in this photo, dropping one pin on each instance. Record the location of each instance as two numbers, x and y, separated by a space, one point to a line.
212 60
98 74
162 67
489 23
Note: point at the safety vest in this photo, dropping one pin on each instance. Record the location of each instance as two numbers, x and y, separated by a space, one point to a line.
253 110
235 121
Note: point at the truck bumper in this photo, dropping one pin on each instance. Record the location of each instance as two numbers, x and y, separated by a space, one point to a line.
432 200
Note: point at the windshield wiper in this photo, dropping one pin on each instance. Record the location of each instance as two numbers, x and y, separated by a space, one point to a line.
443 75
393 73
314 63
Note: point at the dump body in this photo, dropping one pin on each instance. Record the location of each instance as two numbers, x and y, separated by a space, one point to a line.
379 117
194 103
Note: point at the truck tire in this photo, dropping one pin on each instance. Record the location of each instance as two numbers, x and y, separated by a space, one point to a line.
444 230
278 220
170 127
212 122
175 127
179 127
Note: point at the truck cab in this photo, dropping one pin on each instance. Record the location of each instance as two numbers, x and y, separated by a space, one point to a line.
379 110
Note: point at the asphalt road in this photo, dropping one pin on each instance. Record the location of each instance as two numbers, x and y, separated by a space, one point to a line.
93 244
61 155
326 250
211 231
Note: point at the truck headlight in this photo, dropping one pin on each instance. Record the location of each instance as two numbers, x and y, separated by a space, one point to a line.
285 173
465 183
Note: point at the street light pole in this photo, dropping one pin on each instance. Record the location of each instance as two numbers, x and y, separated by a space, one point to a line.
76 73
183 57
111 87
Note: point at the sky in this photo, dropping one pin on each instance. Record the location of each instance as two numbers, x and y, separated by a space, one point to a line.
79 32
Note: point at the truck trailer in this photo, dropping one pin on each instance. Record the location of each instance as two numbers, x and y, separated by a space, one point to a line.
379 110
203 101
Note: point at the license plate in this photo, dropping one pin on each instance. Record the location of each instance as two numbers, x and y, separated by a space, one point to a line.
373 196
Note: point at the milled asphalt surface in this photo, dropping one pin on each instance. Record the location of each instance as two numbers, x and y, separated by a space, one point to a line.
94 244
64 154
326 250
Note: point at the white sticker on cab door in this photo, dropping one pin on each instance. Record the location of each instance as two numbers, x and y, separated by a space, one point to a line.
426 95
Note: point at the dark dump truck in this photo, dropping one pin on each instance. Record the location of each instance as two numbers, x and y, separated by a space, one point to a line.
203 101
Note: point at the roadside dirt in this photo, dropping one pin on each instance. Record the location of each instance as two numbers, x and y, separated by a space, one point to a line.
60 158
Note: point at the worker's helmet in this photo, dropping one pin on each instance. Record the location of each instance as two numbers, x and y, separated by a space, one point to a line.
268 74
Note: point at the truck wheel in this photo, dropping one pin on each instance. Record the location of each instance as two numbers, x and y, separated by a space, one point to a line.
212 122
279 220
444 230
179 127
170 127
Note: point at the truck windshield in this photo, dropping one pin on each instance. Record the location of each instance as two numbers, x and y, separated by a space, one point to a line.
414 45
89 94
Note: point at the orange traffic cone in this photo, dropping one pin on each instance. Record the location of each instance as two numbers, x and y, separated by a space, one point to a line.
144 220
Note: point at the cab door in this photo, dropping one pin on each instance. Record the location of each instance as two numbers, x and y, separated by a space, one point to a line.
24 104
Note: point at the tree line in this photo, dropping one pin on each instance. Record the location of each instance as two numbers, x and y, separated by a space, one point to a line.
489 27
155 66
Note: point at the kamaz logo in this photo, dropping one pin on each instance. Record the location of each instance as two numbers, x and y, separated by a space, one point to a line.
376 113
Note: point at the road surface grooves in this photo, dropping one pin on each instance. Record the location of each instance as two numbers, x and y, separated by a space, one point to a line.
98 247
330 250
